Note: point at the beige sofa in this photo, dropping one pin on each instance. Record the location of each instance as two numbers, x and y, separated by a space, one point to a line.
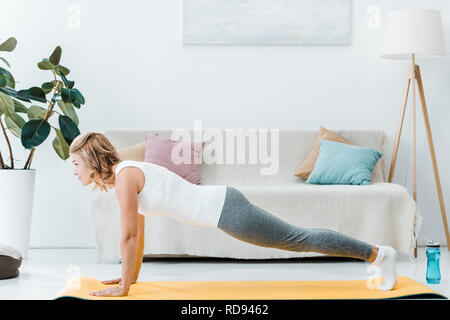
379 213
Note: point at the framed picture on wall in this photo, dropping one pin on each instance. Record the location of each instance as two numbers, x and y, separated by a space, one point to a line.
305 22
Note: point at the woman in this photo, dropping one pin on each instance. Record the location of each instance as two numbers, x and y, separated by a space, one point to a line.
144 188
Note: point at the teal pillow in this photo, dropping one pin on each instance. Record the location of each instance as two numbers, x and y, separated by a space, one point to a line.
341 163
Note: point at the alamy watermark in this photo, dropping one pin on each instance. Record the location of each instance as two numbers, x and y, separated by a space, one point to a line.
73 21
229 146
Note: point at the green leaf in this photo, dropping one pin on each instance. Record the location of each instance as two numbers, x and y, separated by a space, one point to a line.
62 69
34 132
60 145
2 80
11 126
36 112
68 110
45 64
69 84
17 119
6 104
47 87
34 93
6 62
19 107
56 56
65 94
10 82
8 45
79 96
73 96
68 129
23 95
14 123
9 91
37 94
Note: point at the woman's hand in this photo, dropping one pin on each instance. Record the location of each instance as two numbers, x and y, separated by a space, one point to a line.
110 292
115 281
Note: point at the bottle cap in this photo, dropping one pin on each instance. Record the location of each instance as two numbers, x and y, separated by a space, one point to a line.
432 244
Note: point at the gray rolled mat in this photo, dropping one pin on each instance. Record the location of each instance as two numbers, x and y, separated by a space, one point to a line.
10 261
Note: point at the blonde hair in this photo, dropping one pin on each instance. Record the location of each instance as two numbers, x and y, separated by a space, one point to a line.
99 155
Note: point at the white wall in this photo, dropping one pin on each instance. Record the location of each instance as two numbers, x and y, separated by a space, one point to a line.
128 60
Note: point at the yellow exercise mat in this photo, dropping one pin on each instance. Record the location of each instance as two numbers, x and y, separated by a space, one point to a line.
79 288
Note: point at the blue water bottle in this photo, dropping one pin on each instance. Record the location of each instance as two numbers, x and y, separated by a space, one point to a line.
433 254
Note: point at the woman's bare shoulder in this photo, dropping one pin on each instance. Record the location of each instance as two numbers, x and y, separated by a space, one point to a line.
129 177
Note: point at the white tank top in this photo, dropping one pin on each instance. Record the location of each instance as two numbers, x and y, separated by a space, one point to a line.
167 193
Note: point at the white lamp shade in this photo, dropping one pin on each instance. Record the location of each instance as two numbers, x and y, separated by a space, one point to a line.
414 31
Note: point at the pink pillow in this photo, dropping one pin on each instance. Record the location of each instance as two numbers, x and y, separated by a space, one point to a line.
158 151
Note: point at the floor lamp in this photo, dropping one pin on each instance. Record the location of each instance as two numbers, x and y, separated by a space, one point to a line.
415 34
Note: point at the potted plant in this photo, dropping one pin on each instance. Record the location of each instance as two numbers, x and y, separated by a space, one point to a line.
17 184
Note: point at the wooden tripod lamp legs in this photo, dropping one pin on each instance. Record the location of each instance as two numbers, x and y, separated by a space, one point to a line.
413 75
433 155
400 123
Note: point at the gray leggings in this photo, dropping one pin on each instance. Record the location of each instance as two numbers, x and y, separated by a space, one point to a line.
247 222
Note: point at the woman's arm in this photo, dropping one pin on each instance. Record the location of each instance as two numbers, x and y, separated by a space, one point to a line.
128 250
126 191
140 246
126 187
139 254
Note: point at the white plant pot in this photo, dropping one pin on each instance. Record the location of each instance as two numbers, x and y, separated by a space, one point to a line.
16 205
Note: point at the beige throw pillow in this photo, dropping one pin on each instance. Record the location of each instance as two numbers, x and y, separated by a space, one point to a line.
308 165
135 152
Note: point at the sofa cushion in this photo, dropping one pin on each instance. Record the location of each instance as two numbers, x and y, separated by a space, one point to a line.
10 261
158 150
308 164
135 152
340 163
